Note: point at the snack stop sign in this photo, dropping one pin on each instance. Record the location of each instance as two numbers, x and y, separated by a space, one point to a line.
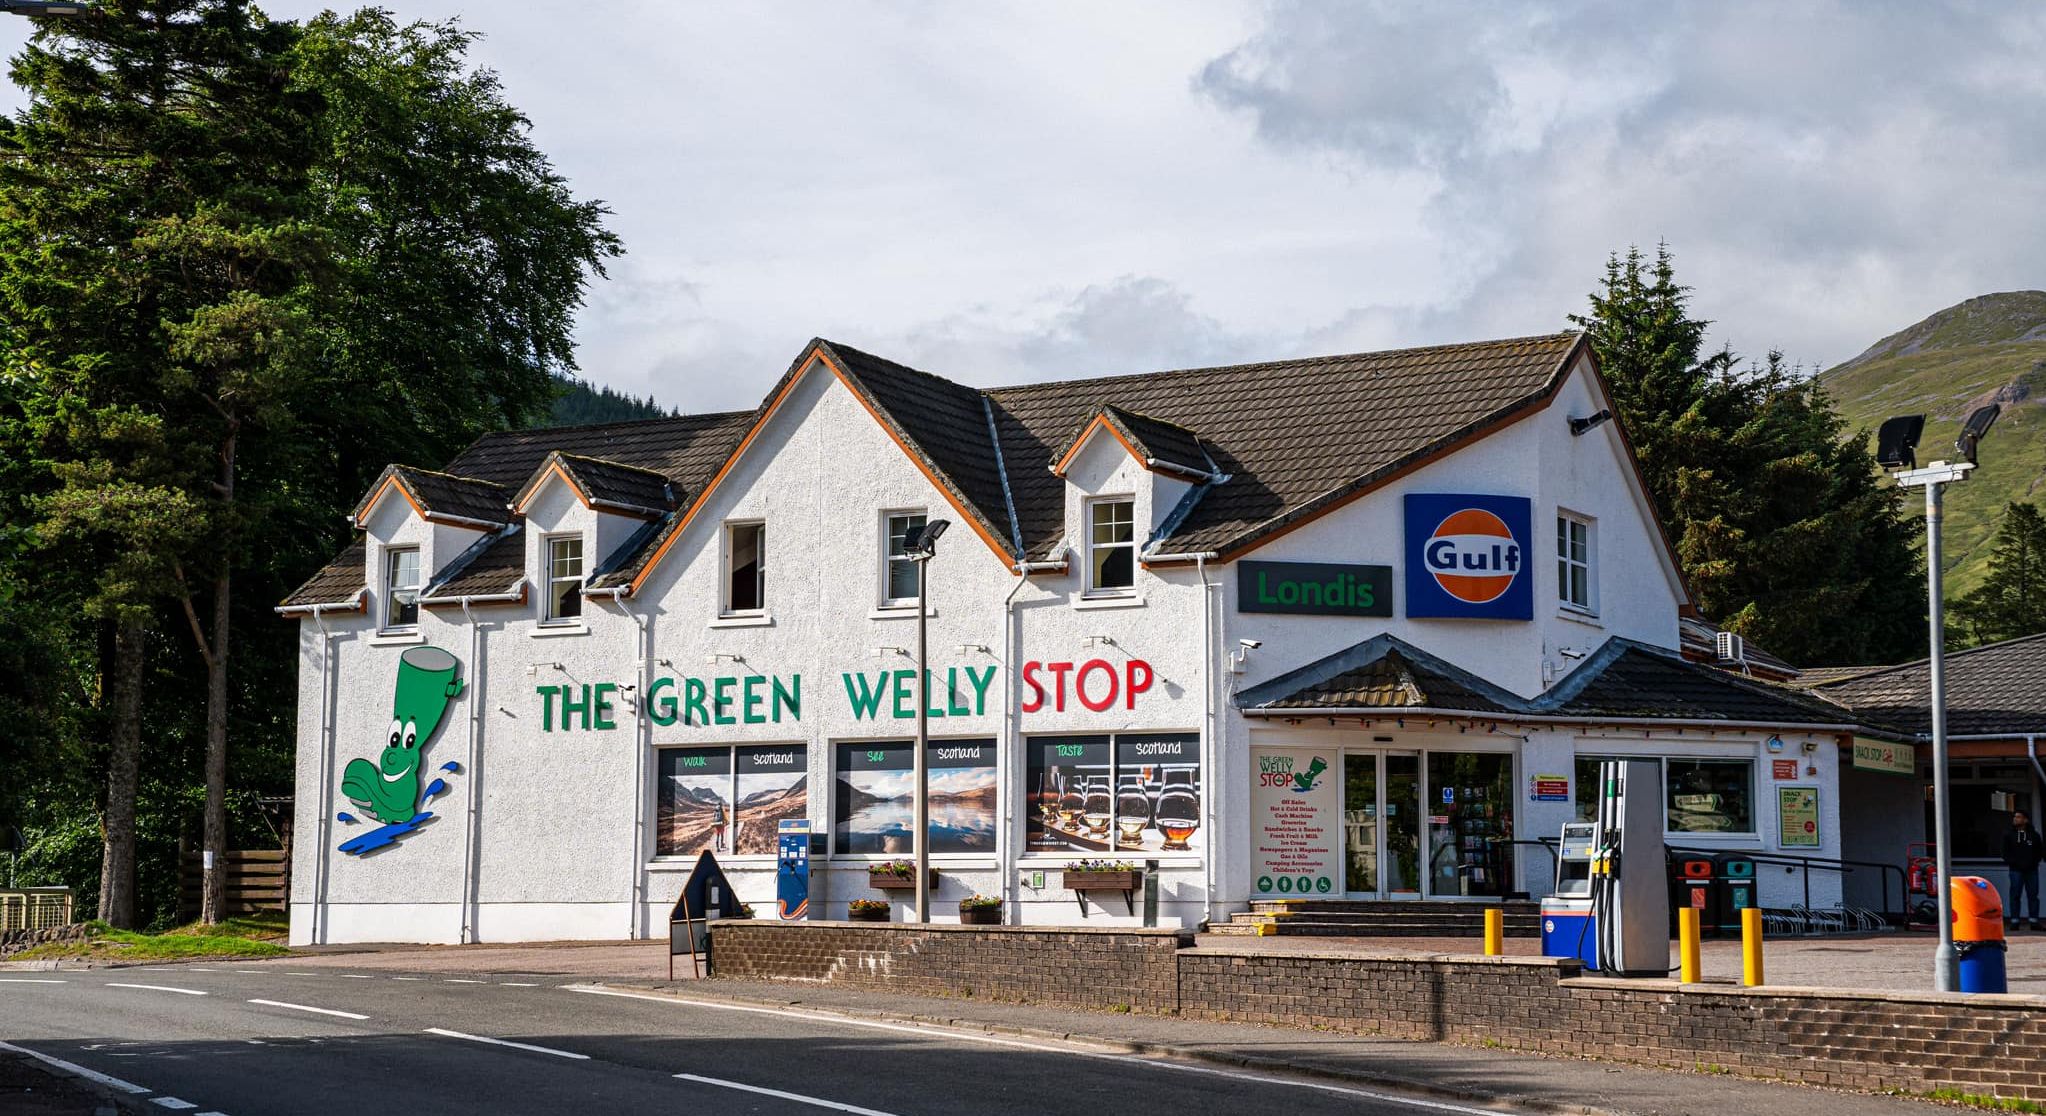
1470 557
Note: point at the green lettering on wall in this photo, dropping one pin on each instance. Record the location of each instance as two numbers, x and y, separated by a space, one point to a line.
604 691
693 694
905 695
955 702
791 698
546 706
865 698
720 704
659 709
570 707
754 700
980 687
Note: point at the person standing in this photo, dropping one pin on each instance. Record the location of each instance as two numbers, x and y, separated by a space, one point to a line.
2021 854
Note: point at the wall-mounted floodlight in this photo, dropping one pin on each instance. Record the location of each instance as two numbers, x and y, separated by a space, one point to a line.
1897 441
1580 425
1972 431
921 542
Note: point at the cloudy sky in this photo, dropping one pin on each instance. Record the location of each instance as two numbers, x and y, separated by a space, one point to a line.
1001 193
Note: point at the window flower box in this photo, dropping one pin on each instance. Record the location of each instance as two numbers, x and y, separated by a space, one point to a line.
1085 876
868 910
897 876
980 910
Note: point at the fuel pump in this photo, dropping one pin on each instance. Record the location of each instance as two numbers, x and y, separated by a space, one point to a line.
1629 891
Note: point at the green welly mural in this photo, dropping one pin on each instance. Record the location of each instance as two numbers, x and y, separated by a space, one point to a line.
390 789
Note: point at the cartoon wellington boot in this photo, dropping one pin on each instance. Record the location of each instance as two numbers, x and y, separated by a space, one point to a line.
389 789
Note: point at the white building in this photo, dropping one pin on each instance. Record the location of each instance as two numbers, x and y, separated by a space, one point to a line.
1342 627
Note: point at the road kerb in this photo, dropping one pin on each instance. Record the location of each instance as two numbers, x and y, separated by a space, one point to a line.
1260 1064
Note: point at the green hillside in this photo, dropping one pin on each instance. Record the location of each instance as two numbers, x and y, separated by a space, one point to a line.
580 404
1987 349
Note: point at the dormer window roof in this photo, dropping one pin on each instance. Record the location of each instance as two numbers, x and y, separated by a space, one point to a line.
1158 445
438 498
604 485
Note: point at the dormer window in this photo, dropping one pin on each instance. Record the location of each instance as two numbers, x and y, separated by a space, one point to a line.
401 587
1111 545
564 578
745 569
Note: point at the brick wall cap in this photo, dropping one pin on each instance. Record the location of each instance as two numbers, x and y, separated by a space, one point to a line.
1557 964
772 925
2008 1001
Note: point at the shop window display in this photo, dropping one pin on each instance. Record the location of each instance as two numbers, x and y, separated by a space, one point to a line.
1710 795
1130 792
874 799
1470 823
728 800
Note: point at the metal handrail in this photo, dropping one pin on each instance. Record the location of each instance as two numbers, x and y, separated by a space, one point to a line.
1823 863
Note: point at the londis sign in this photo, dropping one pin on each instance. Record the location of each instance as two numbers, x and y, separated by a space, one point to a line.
1313 588
1468 557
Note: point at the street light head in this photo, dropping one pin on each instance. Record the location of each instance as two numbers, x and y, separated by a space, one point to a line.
1897 442
921 542
1972 431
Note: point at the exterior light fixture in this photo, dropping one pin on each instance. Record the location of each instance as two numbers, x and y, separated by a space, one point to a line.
1580 425
1896 442
921 546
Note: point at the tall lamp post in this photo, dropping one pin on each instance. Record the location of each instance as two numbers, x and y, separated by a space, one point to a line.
921 545
1896 449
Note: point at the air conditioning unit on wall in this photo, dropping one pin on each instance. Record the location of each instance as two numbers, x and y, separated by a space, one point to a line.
1732 648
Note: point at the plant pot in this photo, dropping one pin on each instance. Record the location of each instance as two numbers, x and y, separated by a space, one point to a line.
867 916
1103 881
980 916
889 881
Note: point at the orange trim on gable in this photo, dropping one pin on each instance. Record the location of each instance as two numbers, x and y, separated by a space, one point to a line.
533 486
370 504
1100 420
817 356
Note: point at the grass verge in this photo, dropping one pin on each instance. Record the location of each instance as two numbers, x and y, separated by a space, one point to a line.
260 936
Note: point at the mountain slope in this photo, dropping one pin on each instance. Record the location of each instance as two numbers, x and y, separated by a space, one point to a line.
580 403
1990 348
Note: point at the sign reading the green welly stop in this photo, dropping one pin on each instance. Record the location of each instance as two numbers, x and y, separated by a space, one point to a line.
1314 588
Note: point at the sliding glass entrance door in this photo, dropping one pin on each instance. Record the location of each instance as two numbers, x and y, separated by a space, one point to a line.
1382 825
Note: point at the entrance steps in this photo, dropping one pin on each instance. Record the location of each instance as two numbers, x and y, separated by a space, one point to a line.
1378 918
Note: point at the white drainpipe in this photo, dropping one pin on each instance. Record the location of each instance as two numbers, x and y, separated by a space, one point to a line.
1208 765
1012 728
641 742
325 830
469 836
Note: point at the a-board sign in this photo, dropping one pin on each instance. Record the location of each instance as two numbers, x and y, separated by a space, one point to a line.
707 895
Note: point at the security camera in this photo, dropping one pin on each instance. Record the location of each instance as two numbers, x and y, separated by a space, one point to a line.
1250 644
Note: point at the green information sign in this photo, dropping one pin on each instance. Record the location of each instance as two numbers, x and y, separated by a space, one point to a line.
1314 588
1797 817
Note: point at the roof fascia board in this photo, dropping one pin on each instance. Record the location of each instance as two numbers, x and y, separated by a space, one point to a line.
1383 712
1104 420
354 604
816 355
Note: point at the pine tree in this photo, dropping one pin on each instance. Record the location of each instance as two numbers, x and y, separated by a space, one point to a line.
1781 528
2011 602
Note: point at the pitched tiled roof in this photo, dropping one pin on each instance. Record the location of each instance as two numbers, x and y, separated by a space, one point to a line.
1700 641
686 449
1384 672
606 484
447 495
338 582
1294 436
492 567
1622 679
1995 690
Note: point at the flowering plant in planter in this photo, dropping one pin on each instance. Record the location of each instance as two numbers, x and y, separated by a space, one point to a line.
1100 866
904 868
868 905
977 902
981 910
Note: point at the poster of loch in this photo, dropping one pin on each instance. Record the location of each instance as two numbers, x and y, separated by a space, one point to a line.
1294 812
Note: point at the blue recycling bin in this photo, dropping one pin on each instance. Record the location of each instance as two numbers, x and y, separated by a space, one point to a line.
1981 965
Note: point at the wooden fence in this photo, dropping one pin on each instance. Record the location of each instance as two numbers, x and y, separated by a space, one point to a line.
257 880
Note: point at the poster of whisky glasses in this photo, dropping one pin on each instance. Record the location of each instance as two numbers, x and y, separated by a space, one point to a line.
1121 794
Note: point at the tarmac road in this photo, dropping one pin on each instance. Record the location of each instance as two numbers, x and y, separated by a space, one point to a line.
286 1040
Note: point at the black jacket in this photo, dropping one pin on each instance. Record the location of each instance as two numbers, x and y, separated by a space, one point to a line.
2021 850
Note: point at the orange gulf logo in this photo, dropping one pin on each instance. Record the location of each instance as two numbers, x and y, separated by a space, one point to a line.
1472 555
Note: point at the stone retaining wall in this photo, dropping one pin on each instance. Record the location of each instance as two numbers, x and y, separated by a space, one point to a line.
1101 969
1868 1041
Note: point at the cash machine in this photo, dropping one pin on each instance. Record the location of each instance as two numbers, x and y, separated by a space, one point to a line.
1611 903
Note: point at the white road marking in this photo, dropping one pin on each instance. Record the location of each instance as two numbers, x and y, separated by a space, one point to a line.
314 1010
75 1068
517 984
459 980
508 1042
172 1102
1060 1048
197 969
209 1114
250 972
301 974
159 988
27 980
358 976
408 978
799 1098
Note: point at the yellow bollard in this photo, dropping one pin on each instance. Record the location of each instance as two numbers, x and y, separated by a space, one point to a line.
1751 946
1495 932
1689 964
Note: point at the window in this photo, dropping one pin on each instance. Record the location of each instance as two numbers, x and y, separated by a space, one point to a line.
899 572
1111 545
1575 587
745 568
401 587
1710 795
873 798
564 577
1104 795
728 799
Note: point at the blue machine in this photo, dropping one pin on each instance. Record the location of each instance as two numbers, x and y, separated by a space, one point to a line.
1611 904
792 869
1567 925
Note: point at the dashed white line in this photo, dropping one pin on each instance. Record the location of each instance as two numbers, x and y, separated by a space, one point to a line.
357 976
197 969
306 1007
408 978
158 988
75 1068
172 1102
508 1042
799 1098
250 972
517 984
28 980
460 980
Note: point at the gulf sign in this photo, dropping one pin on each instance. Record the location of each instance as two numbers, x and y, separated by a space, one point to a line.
1470 557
